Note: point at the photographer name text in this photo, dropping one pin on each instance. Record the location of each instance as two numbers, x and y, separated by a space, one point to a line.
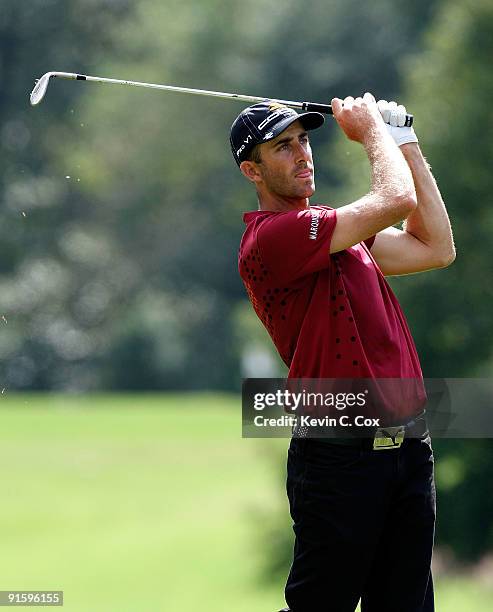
289 420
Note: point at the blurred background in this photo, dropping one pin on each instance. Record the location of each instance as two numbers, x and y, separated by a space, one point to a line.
124 327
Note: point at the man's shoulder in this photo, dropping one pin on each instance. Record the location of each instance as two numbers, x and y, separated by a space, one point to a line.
322 207
267 226
257 216
253 215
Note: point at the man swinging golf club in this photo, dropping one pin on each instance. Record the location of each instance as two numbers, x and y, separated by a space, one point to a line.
363 518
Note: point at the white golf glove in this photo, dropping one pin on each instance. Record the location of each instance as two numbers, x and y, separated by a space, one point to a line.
394 116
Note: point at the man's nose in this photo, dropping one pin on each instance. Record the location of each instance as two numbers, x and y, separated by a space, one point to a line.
302 153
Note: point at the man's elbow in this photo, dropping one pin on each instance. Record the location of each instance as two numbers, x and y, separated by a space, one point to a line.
406 202
450 258
446 258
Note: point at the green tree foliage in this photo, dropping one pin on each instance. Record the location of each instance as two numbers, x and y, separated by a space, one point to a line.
447 86
464 473
40 338
124 274
449 89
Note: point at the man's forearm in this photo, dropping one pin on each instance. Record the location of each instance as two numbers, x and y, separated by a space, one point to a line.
392 196
429 221
390 175
391 199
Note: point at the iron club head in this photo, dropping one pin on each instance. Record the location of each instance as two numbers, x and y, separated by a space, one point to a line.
39 90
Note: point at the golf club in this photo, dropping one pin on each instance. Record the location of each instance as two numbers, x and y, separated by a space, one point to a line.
39 91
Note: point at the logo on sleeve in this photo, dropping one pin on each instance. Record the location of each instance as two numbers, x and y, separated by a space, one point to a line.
314 224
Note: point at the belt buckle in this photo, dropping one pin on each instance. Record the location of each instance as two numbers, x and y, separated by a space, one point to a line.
387 438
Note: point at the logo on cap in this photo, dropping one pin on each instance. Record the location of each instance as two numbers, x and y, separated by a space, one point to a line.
277 112
262 122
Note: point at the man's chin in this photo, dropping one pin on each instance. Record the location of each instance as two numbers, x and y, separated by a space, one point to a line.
309 191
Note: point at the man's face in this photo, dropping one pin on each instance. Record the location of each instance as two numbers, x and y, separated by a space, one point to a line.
287 168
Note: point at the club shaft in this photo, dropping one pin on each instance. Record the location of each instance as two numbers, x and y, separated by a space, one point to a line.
325 108
304 106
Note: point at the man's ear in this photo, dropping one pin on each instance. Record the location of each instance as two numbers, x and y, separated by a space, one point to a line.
251 170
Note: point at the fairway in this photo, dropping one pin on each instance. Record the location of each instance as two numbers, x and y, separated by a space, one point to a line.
144 503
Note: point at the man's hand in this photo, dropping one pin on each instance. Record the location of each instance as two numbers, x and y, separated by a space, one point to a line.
392 196
359 118
394 116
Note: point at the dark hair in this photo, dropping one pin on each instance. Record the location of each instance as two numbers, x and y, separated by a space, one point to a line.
254 155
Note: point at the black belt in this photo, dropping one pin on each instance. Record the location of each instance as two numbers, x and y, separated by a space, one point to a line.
384 438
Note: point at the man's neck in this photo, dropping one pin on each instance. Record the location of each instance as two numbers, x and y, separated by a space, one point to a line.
276 203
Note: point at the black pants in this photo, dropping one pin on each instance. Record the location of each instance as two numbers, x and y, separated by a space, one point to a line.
364 524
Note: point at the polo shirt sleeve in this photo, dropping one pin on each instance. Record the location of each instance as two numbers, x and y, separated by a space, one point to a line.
369 241
296 243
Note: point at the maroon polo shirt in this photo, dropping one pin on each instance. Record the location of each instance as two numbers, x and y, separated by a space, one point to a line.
329 316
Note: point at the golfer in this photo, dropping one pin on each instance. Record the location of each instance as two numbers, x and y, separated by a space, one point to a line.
363 512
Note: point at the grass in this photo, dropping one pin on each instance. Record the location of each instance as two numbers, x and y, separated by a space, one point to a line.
143 503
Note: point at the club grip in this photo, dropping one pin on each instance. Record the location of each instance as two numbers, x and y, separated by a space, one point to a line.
317 108
327 110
